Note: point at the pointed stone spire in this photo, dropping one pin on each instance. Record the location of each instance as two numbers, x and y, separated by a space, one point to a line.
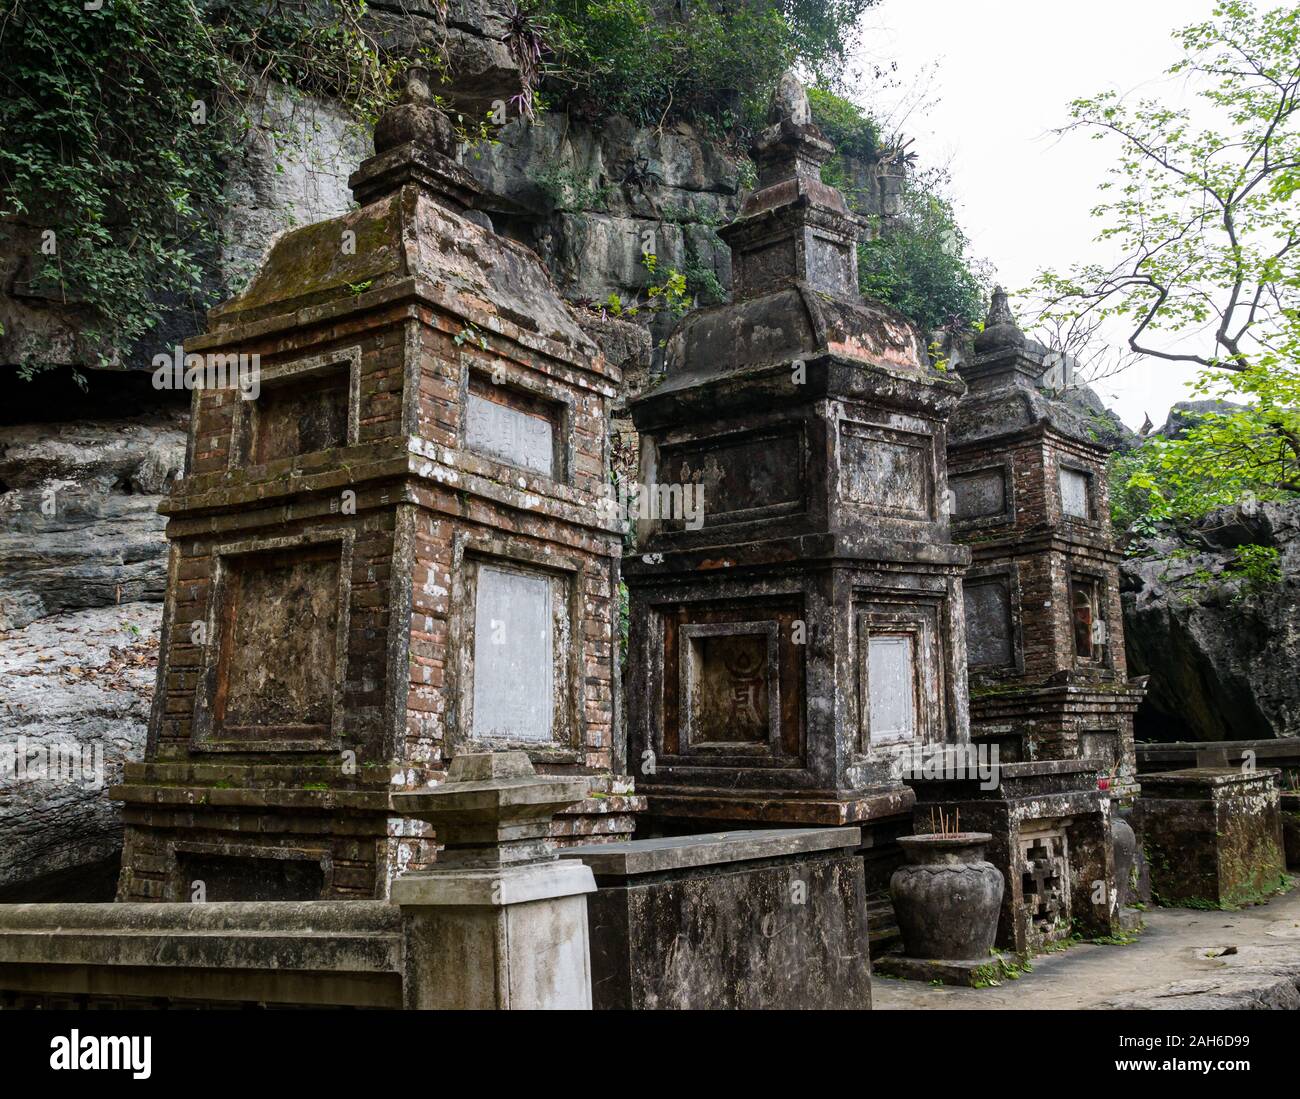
789 102
415 143
791 146
1000 328
792 206
414 118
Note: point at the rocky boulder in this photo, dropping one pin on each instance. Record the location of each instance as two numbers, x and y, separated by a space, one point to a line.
1216 624
1104 425
1187 414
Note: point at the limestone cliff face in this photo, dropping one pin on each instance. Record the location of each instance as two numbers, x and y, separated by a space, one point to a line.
1222 650
78 507
591 197
83 567
82 554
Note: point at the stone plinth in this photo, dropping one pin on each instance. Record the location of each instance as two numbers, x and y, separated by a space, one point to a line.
771 918
499 924
1213 836
971 973
1051 840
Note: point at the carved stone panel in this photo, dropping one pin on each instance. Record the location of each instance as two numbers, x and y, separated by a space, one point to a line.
514 668
979 494
1101 745
278 644
988 622
752 476
731 685
521 437
1044 866
888 472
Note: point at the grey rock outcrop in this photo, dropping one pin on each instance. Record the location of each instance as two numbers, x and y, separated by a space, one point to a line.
592 198
75 691
1221 647
1187 414
1102 423
82 572
78 513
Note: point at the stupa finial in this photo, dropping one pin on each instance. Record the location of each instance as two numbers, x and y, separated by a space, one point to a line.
415 142
789 103
1000 328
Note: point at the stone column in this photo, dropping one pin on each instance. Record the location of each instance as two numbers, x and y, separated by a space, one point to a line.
499 923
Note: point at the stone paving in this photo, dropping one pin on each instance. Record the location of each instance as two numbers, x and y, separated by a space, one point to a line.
1185 958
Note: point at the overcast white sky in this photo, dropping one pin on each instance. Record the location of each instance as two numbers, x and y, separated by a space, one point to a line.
1000 77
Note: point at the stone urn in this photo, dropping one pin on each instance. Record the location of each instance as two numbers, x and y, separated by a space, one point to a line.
947 897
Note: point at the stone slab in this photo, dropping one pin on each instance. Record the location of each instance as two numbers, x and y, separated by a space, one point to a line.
1281 752
1198 782
970 973
653 856
320 953
495 887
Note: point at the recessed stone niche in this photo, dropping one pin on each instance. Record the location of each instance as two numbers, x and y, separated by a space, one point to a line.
303 406
979 494
1103 745
889 472
745 476
278 643
988 622
732 686
901 688
249 878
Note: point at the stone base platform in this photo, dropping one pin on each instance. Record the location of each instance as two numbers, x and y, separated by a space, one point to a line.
1213 836
969 973
767 918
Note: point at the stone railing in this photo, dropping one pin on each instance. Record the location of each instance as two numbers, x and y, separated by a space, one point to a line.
748 919
1283 753
231 953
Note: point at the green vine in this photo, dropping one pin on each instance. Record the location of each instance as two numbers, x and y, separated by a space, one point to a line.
116 126
710 62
